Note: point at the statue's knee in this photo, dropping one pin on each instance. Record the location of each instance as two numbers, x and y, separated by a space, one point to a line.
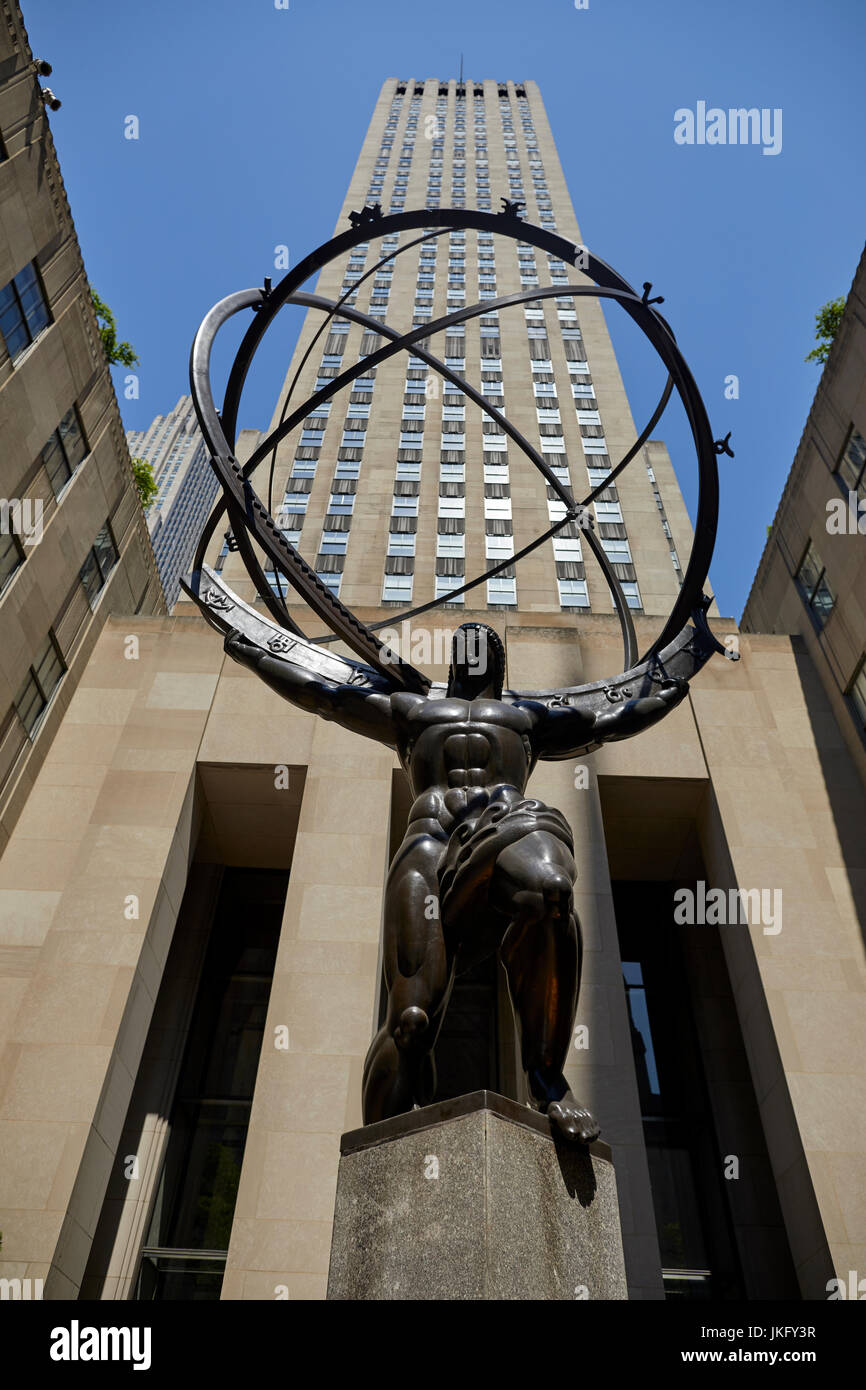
410 1027
556 892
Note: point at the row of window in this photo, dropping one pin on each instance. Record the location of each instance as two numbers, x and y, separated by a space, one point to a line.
39 685
820 599
61 456
675 559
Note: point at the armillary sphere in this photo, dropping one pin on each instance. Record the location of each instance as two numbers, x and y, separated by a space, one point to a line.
685 643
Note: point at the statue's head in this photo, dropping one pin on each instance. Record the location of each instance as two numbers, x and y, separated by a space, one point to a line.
477 663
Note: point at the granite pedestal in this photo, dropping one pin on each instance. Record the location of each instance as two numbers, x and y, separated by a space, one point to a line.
473 1198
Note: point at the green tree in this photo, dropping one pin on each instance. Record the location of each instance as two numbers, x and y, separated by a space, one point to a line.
117 353
144 481
827 321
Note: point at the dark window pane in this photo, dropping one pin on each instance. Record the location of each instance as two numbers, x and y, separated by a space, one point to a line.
91 577
180 1278
197 1190
853 461
809 571
32 302
56 466
203 1170
71 434
10 557
48 668
106 551
858 693
11 323
29 704
23 311
824 600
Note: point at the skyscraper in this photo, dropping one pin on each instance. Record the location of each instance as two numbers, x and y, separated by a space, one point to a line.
201 969
174 448
73 543
402 492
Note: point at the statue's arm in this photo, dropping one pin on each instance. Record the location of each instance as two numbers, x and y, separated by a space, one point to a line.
365 712
562 731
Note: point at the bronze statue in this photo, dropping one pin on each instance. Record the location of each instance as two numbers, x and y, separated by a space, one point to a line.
481 869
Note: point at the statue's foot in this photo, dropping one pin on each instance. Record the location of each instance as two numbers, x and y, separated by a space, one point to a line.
412 1022
573 1120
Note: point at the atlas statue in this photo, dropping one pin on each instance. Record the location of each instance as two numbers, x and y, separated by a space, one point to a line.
483 869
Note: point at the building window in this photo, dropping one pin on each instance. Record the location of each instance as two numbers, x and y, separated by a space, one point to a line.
608 512
498 548
696 1241
450 546
631 593
502 591
341 503
573 593
332 580
812 580
100 561
42 680
23 311
397 588
334 542
401 543
11 555
452 506
597 476
851 468
185 1252
567 548
857 692
452 472
409 470
499 508
444 585
405 499
65 450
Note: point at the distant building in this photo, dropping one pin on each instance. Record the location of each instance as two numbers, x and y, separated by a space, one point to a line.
73 542
174 448
812 577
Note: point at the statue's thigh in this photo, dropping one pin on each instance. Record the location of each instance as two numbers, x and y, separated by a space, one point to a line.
413 928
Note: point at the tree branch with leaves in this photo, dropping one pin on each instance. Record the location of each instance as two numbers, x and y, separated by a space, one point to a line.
827 321
118 354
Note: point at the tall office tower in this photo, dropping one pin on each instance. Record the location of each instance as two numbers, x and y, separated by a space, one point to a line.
199 977
73 542
174 448
812 577
399 491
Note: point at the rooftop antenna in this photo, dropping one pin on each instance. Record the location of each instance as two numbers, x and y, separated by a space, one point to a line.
461 69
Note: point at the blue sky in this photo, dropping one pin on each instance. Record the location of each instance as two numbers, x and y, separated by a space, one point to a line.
246 143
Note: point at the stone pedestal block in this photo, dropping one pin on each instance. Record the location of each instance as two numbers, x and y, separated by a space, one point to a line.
474 1199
